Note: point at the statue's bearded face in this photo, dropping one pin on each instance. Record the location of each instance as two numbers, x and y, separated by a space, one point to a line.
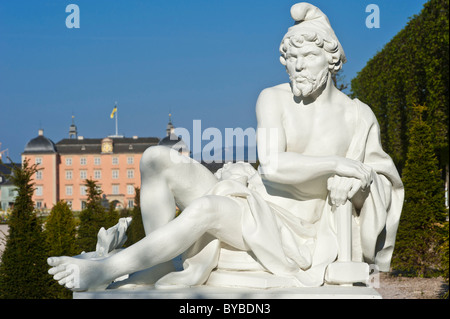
308 68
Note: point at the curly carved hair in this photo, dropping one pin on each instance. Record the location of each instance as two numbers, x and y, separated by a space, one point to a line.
330 46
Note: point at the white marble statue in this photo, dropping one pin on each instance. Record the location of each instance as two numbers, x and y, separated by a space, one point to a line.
323 205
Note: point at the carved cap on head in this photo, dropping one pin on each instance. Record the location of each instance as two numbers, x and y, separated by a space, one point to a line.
310 18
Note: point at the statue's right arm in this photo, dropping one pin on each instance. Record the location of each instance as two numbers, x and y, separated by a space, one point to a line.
278 165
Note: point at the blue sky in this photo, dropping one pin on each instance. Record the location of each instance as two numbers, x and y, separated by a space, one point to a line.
200 60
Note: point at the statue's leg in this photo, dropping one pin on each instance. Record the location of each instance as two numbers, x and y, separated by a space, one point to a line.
216 215
168 179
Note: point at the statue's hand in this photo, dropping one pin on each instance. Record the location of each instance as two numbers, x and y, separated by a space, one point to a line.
354 169
342 189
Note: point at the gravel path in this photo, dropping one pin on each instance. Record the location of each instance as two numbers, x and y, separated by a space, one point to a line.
411 288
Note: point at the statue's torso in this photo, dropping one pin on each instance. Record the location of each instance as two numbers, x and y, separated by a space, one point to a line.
315 130
319 130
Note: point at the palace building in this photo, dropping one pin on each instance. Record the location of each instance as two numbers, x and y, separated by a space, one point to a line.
113 162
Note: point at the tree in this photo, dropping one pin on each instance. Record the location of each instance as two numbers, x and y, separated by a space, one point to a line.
92 218
338 80
412 69
23 270
421 230
135 231
112 215
60 236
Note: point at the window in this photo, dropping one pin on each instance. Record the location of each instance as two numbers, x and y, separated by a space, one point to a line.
38 160
69 190
83 204
97 161
38 204
83 190
130 203
39 190
83 174
130 189
69 161
115 174
115 189
69 202
39 175
130 173
130 160
97 174
69 175
115 160
83 161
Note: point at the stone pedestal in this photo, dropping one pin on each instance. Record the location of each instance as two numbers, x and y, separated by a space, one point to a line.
208 292
347 273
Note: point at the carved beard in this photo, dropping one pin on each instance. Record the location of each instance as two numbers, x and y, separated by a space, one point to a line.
304 84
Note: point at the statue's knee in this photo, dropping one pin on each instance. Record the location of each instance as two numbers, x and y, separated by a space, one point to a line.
154 157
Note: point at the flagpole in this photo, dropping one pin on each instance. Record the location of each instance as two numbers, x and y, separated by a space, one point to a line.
117 125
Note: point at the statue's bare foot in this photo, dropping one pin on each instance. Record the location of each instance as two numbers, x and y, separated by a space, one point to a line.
78 274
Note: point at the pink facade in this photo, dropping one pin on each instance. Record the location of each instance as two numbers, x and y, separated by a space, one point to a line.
116 174
45 180
64 167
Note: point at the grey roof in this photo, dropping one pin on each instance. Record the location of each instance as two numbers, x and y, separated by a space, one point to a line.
6 170
94 145
172 140
40 144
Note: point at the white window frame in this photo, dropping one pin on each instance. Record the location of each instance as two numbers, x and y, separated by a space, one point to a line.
39 190
115 189
130 173
130 189
69 190
97 174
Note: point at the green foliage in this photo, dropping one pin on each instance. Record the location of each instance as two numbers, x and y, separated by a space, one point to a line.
135 231
112 216
60 231
412 69
421 229
92 218
60 236
23 270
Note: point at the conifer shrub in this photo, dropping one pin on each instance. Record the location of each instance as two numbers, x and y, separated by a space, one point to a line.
60 236
421 230
23 268
92 218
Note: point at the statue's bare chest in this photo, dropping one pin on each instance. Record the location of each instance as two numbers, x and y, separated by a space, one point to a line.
316 132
